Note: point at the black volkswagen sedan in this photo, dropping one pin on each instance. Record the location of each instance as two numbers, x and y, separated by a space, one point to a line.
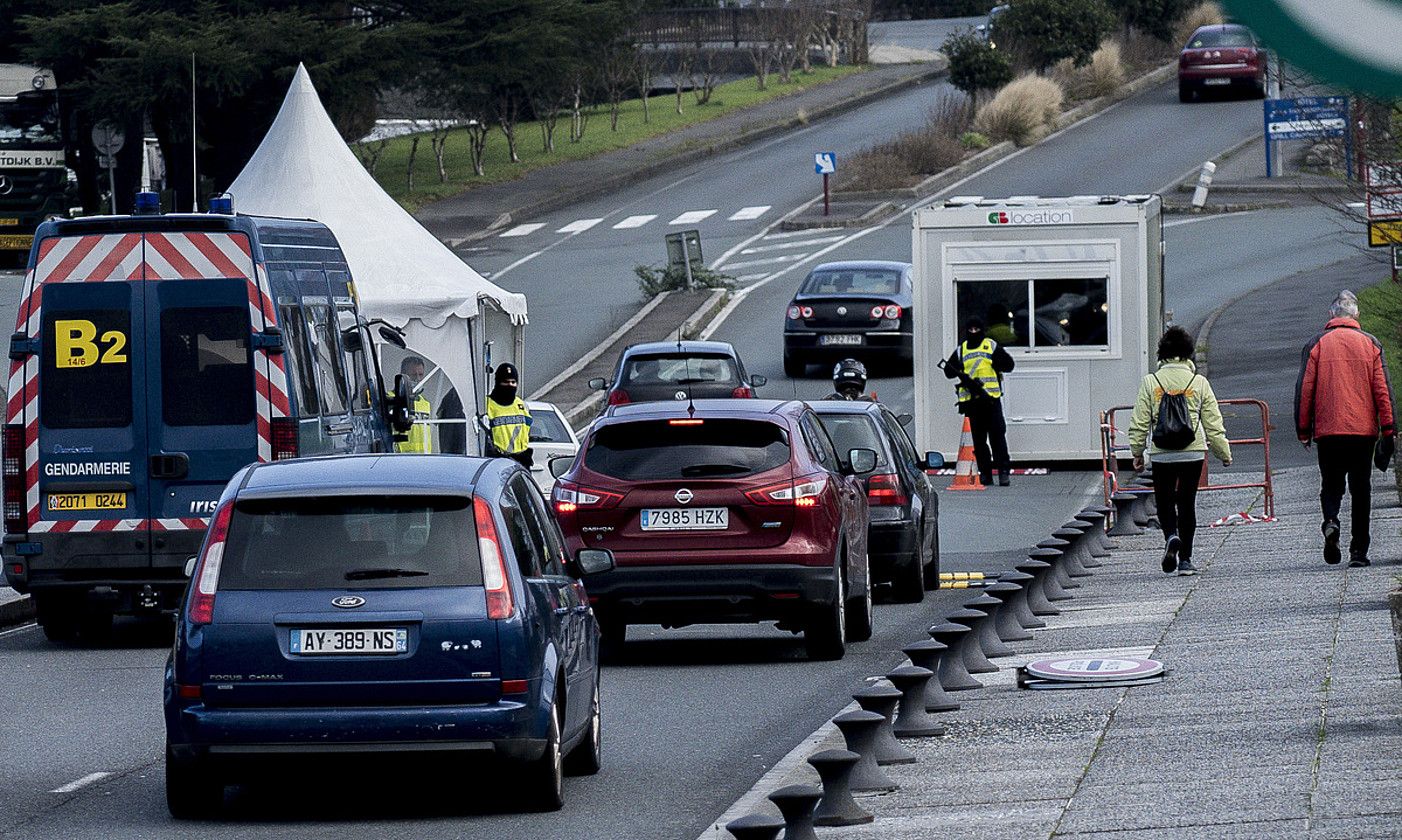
857 309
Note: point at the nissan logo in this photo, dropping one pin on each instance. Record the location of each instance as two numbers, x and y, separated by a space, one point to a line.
6 185
683 496
348 602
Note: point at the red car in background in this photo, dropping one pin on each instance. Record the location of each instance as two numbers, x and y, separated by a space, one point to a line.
722 511
1223 56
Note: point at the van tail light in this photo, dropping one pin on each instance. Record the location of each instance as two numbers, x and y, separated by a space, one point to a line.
885 489
494 578
12 467
742 393
284 431
801 493
570 497
619 397
206 577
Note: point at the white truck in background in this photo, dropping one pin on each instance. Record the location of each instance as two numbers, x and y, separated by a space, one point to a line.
1071 287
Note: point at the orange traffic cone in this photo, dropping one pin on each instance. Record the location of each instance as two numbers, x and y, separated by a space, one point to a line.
966 470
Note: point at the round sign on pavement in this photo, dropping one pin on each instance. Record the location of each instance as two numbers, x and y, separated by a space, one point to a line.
1094 668
108 137
1352 43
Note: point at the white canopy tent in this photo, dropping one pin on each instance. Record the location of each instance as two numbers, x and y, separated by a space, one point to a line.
448 312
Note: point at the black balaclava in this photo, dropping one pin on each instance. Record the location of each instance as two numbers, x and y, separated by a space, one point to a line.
505 394
974 332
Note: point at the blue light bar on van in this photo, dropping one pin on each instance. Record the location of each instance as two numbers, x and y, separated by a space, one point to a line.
148 203
222 204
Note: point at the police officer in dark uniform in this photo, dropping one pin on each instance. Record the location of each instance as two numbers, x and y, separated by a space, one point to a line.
849 378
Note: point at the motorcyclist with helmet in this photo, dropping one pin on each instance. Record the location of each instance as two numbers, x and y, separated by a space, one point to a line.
849 379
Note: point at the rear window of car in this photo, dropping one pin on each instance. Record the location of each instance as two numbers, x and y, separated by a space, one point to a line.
854 431
546 427
665 449
680 369
351 542
1221 38
853 281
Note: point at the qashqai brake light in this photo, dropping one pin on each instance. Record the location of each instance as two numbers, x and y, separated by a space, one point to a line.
742 393
884 490
619 397
206 575
801 493
13 479
494 578
570 497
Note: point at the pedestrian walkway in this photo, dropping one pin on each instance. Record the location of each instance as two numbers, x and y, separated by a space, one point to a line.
1281 715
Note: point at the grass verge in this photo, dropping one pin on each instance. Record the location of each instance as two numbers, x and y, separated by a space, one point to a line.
392 169
1380 313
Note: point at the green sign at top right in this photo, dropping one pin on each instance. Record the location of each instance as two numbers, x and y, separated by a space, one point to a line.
1354 44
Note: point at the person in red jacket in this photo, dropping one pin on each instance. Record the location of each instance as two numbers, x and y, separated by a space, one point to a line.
1343 402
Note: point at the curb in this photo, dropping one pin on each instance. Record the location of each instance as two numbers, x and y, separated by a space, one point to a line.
688 155
17 611
1221 209
879 213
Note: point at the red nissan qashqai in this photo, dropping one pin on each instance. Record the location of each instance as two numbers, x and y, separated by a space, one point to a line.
721 511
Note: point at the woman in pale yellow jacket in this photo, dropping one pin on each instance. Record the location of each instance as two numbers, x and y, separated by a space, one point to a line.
1176 471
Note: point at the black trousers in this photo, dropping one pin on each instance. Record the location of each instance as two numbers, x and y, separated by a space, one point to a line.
1347 459
990 431
1176 492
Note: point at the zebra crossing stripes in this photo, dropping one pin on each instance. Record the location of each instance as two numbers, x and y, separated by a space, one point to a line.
691 217
579 225
746 214
634 222
523 230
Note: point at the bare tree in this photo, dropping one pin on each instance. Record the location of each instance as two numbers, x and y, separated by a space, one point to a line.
477 130
413 153
438 139
369 154
645 71
793 26
707 75
580 102
506 108
683 59
616 72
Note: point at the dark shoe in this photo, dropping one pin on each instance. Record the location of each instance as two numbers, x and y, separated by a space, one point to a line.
1357 560
1003 480
1332 555
1186 568
986 480
1170 554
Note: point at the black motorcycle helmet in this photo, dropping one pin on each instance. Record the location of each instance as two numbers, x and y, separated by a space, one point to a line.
849 375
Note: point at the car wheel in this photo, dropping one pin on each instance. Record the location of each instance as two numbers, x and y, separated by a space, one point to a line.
58 616
612 635
192 791
794 368
908 583
543 780
859 616
1185 92
932 568
587 756
95 625
825 634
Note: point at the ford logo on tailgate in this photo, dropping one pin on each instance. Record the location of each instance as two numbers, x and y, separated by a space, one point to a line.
348 602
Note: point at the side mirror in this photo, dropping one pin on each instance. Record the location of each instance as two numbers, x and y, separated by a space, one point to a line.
393 336
862 461
352 341
190 566
593 561
759 381
904 419
597 384
560 464
397 406
934 461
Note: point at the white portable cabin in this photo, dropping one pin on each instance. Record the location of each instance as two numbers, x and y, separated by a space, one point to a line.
1071 287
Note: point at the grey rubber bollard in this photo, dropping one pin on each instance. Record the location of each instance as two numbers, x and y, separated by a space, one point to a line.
1051 582
1058 573
797 803
1021 608
1108 514
1139 510
837 807
953 675
1124 526
969 647
1036 590
912 721
1005 619
1085 542
927 653
1098 541
988 639
883 699
859 732
755 827
1075 551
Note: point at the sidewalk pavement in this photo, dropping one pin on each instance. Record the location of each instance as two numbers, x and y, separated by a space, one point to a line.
14 607
470 214
1281 715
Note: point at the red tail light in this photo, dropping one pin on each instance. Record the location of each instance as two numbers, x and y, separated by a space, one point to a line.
494 577
514 686
877 310
206 577
618 397
885 489
742 393
12 467
892 312
570 497
802 493
188 692
284 431
795 313
806 312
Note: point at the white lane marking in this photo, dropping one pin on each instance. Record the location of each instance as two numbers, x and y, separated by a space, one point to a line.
786 258
784 246
634 222
750 278
527 258
579 225
745 214
789 234
81 783
523 230
1195 220
20 629
691 217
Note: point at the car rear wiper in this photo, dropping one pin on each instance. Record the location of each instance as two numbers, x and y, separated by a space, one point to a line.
370 574
713 469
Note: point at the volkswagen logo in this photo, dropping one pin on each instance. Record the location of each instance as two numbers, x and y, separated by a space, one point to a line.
841 310
681 395
6 185
683 496
348 602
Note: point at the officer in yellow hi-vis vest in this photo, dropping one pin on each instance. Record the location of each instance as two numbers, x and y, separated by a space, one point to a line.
508 420
421 435
979 364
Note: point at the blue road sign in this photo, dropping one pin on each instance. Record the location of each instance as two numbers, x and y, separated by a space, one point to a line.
825 163
1306 118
